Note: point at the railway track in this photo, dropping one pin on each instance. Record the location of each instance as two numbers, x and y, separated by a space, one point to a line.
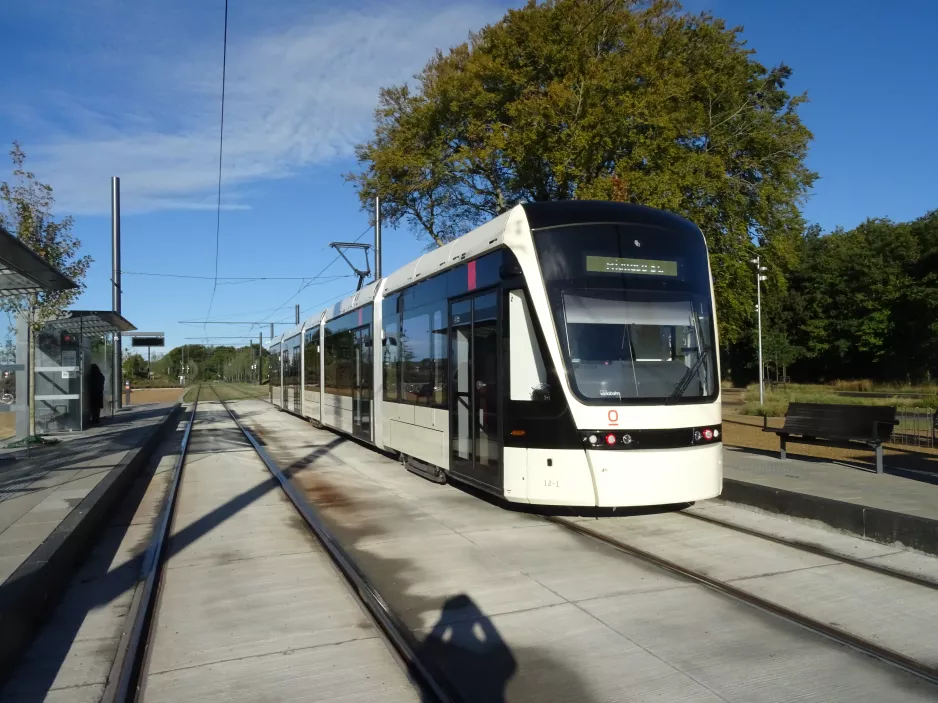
818 550
127 681
914 662
922 670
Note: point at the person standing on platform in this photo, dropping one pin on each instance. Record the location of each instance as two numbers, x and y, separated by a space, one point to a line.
95 393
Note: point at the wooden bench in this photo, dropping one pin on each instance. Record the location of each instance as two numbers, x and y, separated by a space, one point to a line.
837 425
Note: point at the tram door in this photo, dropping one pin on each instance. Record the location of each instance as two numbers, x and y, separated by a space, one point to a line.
474 397
361 389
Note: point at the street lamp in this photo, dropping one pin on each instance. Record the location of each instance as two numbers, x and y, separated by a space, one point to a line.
759 279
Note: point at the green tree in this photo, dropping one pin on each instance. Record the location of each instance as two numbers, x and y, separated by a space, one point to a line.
852 285
778 353
26 211
135 366
629 101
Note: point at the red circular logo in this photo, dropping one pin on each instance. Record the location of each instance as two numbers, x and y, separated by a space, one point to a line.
613 416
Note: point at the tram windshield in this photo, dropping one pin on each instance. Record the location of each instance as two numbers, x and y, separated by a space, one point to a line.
633 311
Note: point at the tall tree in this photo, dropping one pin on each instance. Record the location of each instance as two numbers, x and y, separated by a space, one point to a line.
622 100
26 211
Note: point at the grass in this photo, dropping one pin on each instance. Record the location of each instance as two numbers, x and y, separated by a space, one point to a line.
158 382
861 386
868 386
776 401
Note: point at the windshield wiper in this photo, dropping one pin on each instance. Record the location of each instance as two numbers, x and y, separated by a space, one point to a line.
704 352
689 375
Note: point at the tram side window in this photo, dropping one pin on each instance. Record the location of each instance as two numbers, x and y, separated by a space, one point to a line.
339 362
415 345
526 370
439 355
295 370
312 359
339 350
391 359
423 355
274 361
345 378
331 364
415 353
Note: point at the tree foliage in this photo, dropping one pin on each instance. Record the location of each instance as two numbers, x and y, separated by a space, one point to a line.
863 303
26 211
134 366
210 363
629 101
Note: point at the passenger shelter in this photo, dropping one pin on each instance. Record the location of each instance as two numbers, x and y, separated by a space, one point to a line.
65 350
22 273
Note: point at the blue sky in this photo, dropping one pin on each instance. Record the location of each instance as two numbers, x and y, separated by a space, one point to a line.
109 87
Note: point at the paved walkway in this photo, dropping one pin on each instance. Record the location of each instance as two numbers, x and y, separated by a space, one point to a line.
38 492
834 481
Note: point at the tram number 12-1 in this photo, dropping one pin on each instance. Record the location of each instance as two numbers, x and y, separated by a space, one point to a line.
551 484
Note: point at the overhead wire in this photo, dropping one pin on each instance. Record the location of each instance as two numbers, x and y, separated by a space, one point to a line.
242 279
221 149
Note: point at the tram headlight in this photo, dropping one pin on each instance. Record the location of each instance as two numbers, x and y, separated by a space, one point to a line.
593 439
697 435
708 434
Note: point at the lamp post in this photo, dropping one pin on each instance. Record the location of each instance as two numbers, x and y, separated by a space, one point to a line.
759 278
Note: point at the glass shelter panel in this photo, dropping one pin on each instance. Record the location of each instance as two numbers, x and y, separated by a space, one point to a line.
14 411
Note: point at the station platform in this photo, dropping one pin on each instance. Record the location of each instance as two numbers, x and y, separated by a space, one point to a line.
53 502
892 508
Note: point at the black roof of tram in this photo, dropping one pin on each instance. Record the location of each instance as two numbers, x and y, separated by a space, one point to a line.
556 213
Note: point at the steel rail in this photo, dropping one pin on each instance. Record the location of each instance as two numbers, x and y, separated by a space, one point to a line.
818 551
425 673
884 654
123 681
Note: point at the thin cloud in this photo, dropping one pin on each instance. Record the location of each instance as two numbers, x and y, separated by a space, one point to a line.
297 97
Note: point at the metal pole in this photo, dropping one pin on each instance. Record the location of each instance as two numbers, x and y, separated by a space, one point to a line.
377 237
759 312
297 313
271 330
260 357
117 376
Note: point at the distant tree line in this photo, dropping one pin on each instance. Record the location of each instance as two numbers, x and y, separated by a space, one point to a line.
210 363
859 303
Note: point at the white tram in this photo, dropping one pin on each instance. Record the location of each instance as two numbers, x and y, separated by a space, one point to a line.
564 353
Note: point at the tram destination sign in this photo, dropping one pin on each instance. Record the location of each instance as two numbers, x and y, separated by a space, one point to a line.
644 267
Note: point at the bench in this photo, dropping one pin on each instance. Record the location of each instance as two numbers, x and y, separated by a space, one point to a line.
837 425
